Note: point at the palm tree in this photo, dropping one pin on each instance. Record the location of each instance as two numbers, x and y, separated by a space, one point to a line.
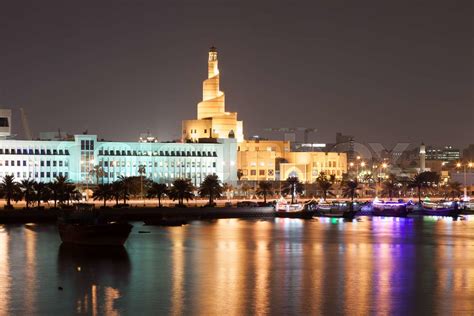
103 192
350 190
70 193
324 184
97 172
454 190
42 192
264 188
180 190
245 188
390 186
125 187
116 191
157 190
27 187
8 188
423 180
211 187
292 186
57 189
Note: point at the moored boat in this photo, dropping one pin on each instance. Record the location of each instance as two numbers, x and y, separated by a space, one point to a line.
297 210
389 209
450 209
85 226
337 210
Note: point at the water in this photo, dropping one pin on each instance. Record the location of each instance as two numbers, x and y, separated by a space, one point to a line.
239 267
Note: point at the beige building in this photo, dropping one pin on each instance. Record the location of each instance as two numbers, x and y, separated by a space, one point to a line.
212 119
271 160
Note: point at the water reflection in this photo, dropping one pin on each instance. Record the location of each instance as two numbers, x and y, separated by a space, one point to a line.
4 271
96 276
240 267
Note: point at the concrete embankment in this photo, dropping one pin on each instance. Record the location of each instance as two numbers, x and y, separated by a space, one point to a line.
141 213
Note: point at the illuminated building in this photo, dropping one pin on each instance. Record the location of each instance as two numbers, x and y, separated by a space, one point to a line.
5 121
212 119
271 160
79 158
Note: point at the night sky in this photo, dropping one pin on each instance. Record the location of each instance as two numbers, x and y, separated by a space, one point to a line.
383 71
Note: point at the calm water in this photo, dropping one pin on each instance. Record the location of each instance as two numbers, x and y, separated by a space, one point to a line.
239 267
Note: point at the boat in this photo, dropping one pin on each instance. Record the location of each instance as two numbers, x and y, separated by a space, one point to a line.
336 210
442 208
389 209
86 226
296 210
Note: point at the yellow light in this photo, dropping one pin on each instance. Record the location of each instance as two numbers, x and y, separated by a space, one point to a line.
351 164
384 165
469 165
362 164
458 165
358 157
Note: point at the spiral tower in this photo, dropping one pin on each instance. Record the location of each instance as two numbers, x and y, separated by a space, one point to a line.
213 100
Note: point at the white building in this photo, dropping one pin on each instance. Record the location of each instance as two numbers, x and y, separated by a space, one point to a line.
78 159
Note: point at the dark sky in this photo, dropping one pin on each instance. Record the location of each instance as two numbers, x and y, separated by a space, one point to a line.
383 71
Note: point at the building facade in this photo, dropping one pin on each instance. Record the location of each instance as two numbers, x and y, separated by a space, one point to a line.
273 160
85 160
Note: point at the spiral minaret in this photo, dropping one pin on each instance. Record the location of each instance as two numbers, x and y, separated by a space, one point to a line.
213 100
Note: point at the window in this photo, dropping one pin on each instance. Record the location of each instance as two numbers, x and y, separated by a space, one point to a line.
261 172
253 172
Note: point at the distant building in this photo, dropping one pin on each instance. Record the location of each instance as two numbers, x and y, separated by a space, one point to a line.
5 123
447 153
468 153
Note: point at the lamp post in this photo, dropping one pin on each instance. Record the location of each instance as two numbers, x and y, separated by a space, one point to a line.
465 166
141 171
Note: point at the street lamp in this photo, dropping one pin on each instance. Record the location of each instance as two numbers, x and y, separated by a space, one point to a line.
142 171
465 166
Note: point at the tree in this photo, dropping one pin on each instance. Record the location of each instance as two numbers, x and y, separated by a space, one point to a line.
390 187
8 188
180 190
27 188
97 172
454 190
157 190
103 192
211 187
42 192
350 190
245 188
58 189
423 180
125 187
116 188
70 193
264 188
324 184
292 186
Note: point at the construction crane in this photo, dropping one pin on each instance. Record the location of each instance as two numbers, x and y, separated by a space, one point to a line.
26 126
305 130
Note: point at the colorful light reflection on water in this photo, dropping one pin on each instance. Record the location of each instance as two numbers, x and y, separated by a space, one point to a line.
287 266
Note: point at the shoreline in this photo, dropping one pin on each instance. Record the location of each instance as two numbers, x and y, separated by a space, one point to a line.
35 215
